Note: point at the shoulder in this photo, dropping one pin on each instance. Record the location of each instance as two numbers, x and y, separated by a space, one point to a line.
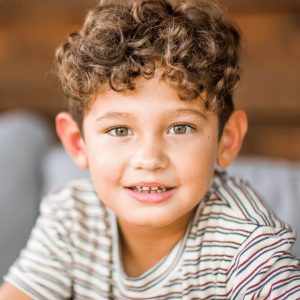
232 212
238 226
242 201
75 207
74 195
264 267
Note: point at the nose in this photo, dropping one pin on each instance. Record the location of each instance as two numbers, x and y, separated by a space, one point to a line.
150 154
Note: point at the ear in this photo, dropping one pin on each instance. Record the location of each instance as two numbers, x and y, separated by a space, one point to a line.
71 138
232 138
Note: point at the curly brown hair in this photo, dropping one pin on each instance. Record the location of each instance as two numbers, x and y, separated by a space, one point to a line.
193 41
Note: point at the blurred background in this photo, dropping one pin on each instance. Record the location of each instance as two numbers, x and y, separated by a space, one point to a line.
31 161
269 90
270 87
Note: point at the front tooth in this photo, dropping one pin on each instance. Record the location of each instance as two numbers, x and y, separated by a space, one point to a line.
153 189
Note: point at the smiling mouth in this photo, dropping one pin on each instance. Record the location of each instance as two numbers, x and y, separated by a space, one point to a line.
150 190
151 194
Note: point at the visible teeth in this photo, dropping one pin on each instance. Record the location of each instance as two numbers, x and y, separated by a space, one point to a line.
148 189
154 188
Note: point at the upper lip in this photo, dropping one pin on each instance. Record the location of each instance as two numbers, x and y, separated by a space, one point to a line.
149 184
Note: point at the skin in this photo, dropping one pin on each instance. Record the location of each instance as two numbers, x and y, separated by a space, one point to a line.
165 140
150 150
159 139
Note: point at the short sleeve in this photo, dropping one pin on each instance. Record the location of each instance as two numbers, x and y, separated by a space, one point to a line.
264 268
43 269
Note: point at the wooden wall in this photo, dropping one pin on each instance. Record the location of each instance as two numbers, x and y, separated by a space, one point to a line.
269 91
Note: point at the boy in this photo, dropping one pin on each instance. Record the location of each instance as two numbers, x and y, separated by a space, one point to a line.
149 86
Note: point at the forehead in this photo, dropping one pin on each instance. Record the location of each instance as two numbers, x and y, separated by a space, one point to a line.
149 94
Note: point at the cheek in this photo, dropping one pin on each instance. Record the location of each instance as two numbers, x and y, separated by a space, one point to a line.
196 157
105 169
105 179
196 167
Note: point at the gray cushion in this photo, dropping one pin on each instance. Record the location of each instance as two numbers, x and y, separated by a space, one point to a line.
24 139
58 168
278 183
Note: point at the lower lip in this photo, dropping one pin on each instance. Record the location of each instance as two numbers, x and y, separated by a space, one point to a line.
150 197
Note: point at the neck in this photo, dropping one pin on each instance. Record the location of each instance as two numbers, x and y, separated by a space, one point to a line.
143 247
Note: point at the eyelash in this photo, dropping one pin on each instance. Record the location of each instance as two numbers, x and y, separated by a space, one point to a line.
191 127
115 128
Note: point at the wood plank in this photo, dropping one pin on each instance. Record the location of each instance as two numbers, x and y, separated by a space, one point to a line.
273 141
269 91
259 6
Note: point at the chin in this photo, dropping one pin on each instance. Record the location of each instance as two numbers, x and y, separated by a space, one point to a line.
147 220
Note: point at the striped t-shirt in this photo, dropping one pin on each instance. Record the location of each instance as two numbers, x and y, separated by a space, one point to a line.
234 248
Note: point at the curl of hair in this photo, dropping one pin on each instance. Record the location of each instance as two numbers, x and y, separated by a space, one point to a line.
193 41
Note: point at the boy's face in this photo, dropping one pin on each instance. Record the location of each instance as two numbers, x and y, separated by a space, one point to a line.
150 136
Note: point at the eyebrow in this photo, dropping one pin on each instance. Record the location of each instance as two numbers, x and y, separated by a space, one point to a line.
187 112
114 115
173 113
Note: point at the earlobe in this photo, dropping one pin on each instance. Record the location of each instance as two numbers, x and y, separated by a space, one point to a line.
71 138
232 138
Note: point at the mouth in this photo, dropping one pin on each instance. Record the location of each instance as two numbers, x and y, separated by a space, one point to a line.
150 192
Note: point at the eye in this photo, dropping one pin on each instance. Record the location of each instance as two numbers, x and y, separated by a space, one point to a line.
181 129
120 131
